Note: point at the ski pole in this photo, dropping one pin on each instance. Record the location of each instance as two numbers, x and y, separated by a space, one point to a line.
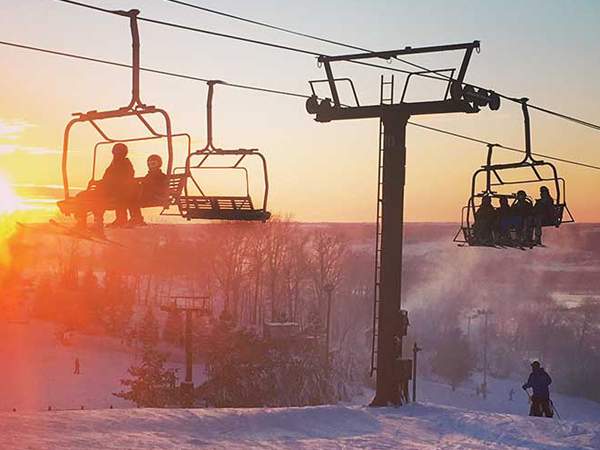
555 410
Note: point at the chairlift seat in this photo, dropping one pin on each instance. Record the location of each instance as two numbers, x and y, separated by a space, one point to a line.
220 208
74 204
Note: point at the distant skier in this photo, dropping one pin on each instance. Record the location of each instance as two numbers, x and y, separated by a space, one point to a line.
511 394
77 367
539 380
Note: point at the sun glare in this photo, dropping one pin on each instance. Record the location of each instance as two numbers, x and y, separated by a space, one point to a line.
9 201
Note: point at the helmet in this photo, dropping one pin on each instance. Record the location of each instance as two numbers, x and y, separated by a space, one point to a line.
521 194
120 150
536 364
154 162
544 190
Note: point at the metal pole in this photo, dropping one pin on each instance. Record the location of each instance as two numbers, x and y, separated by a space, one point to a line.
469 328
329 290
392 212
416 349
188 346
485 345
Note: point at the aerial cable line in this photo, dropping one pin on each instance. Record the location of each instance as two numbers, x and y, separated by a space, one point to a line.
287 30
440 76
293 32
243 39
147 69
504 147
270 91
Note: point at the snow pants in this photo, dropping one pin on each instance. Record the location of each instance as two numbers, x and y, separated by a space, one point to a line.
540 407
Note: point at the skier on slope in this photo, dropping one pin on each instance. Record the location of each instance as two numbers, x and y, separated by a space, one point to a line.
539 380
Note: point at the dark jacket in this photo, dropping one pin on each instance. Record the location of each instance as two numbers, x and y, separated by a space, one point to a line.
522 208
155 186
118 176
539 380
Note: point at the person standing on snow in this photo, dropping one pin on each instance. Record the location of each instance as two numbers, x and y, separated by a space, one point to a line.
539 380
77 366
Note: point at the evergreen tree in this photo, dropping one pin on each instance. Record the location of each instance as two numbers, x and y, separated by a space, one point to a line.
453 360
152 385
117 303
148 329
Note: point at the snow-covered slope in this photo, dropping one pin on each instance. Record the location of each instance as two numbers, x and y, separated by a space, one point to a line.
328 427
38 374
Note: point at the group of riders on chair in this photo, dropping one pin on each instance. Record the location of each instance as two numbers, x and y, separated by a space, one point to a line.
517 224
119 190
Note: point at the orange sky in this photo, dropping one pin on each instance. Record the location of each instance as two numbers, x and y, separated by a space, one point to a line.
318 172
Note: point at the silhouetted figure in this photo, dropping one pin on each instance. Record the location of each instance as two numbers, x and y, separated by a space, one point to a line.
539 381
522 210
511 394
77 367
485 219
152 190
118 184
506 221
543 213
115 188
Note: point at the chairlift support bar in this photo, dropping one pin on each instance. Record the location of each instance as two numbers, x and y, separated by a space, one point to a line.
135 60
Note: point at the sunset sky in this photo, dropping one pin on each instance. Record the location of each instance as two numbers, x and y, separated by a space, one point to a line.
548 51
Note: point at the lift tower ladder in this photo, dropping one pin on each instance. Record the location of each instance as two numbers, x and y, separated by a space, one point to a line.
390 320
386 97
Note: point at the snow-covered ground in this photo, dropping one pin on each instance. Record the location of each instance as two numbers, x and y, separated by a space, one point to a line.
38 368
417 426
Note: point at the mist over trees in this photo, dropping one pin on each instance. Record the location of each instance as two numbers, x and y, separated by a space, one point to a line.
269 283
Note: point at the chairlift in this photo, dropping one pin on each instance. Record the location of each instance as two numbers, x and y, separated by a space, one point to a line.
540 172
200 205
138 110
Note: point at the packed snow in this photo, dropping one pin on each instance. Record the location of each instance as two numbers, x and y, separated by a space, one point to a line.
416 426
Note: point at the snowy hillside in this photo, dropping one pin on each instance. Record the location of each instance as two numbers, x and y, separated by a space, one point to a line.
40 375
327 427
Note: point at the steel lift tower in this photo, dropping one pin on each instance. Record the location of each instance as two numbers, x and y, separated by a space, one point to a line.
390 321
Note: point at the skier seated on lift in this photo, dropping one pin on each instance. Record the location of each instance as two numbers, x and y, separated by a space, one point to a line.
522 209
506 220
485 219
115 188
153 190
539 380
543 213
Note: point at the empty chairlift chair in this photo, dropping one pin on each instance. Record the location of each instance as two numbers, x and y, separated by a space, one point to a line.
200 205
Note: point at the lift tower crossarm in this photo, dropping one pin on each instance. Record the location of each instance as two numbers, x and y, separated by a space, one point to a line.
405 51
